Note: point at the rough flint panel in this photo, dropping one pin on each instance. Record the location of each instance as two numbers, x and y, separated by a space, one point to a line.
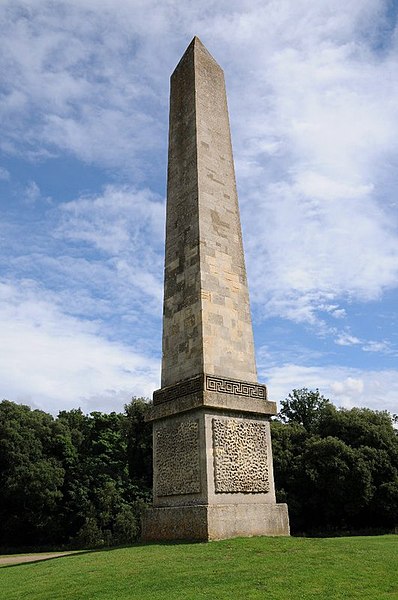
240 456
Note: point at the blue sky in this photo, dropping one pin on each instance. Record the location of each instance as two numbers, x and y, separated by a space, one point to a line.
313 98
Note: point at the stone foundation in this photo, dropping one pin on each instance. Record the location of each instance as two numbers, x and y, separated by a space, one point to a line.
214 522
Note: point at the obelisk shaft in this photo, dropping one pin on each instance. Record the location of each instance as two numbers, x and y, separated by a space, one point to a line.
207 324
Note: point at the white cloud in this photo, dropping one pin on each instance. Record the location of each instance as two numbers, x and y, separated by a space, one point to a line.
346 387
69 87
316 185
126 225
116 219
345 339
32 194
100 255
54 361
316 122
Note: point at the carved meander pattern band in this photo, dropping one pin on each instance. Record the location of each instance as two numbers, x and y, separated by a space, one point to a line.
211 383
237 388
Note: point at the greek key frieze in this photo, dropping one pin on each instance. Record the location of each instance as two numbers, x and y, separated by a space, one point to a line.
211 383
190 386
236 387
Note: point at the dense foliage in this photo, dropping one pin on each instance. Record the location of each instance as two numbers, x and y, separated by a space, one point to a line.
82 479
76 479
336 468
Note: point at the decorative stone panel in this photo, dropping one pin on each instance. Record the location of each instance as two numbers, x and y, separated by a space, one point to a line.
177 458
240 456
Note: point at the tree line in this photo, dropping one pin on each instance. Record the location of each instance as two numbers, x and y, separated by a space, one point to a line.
77 480
82 480
336 468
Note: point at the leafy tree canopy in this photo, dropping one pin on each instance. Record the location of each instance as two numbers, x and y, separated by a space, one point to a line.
336 468
303 407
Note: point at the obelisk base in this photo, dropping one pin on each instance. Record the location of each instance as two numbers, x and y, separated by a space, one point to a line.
214 522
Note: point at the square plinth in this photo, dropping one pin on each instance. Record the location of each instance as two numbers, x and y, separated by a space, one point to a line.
214 522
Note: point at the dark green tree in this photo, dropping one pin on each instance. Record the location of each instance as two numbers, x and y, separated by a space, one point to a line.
33 450
139 441
101 495
79 479
303 407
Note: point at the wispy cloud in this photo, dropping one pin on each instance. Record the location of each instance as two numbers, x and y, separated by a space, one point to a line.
127 227
4 174
316 135
32 194
345 339
383 346
73 81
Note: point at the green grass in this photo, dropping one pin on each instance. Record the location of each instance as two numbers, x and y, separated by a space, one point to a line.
266 568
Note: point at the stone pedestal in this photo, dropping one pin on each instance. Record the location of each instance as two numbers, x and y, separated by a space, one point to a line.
213 474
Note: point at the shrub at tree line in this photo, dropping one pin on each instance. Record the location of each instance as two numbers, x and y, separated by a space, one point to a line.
82 480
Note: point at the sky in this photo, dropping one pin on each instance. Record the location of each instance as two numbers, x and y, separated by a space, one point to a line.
313 100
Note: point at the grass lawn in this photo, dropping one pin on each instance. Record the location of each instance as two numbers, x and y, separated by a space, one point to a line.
268 568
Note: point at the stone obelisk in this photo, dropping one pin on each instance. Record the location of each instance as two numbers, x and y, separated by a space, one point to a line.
213 475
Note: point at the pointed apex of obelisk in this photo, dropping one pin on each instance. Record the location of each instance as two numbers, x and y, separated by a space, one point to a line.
197 42
196 47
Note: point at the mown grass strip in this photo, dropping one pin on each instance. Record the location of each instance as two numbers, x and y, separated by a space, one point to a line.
362 568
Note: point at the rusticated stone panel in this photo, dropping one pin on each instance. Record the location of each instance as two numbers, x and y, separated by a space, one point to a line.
240 456
177 458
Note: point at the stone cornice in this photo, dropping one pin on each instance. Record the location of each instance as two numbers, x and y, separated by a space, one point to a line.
212 392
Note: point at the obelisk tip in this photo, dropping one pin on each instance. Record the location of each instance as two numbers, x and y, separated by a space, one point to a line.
194 47
199 45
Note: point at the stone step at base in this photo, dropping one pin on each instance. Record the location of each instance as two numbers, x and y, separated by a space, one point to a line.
214 522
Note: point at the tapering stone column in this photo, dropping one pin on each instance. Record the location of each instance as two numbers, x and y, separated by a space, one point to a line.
213 475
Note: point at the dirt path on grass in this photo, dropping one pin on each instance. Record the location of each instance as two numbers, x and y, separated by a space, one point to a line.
26 558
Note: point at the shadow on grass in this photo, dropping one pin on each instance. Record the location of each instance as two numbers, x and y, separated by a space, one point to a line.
25 559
